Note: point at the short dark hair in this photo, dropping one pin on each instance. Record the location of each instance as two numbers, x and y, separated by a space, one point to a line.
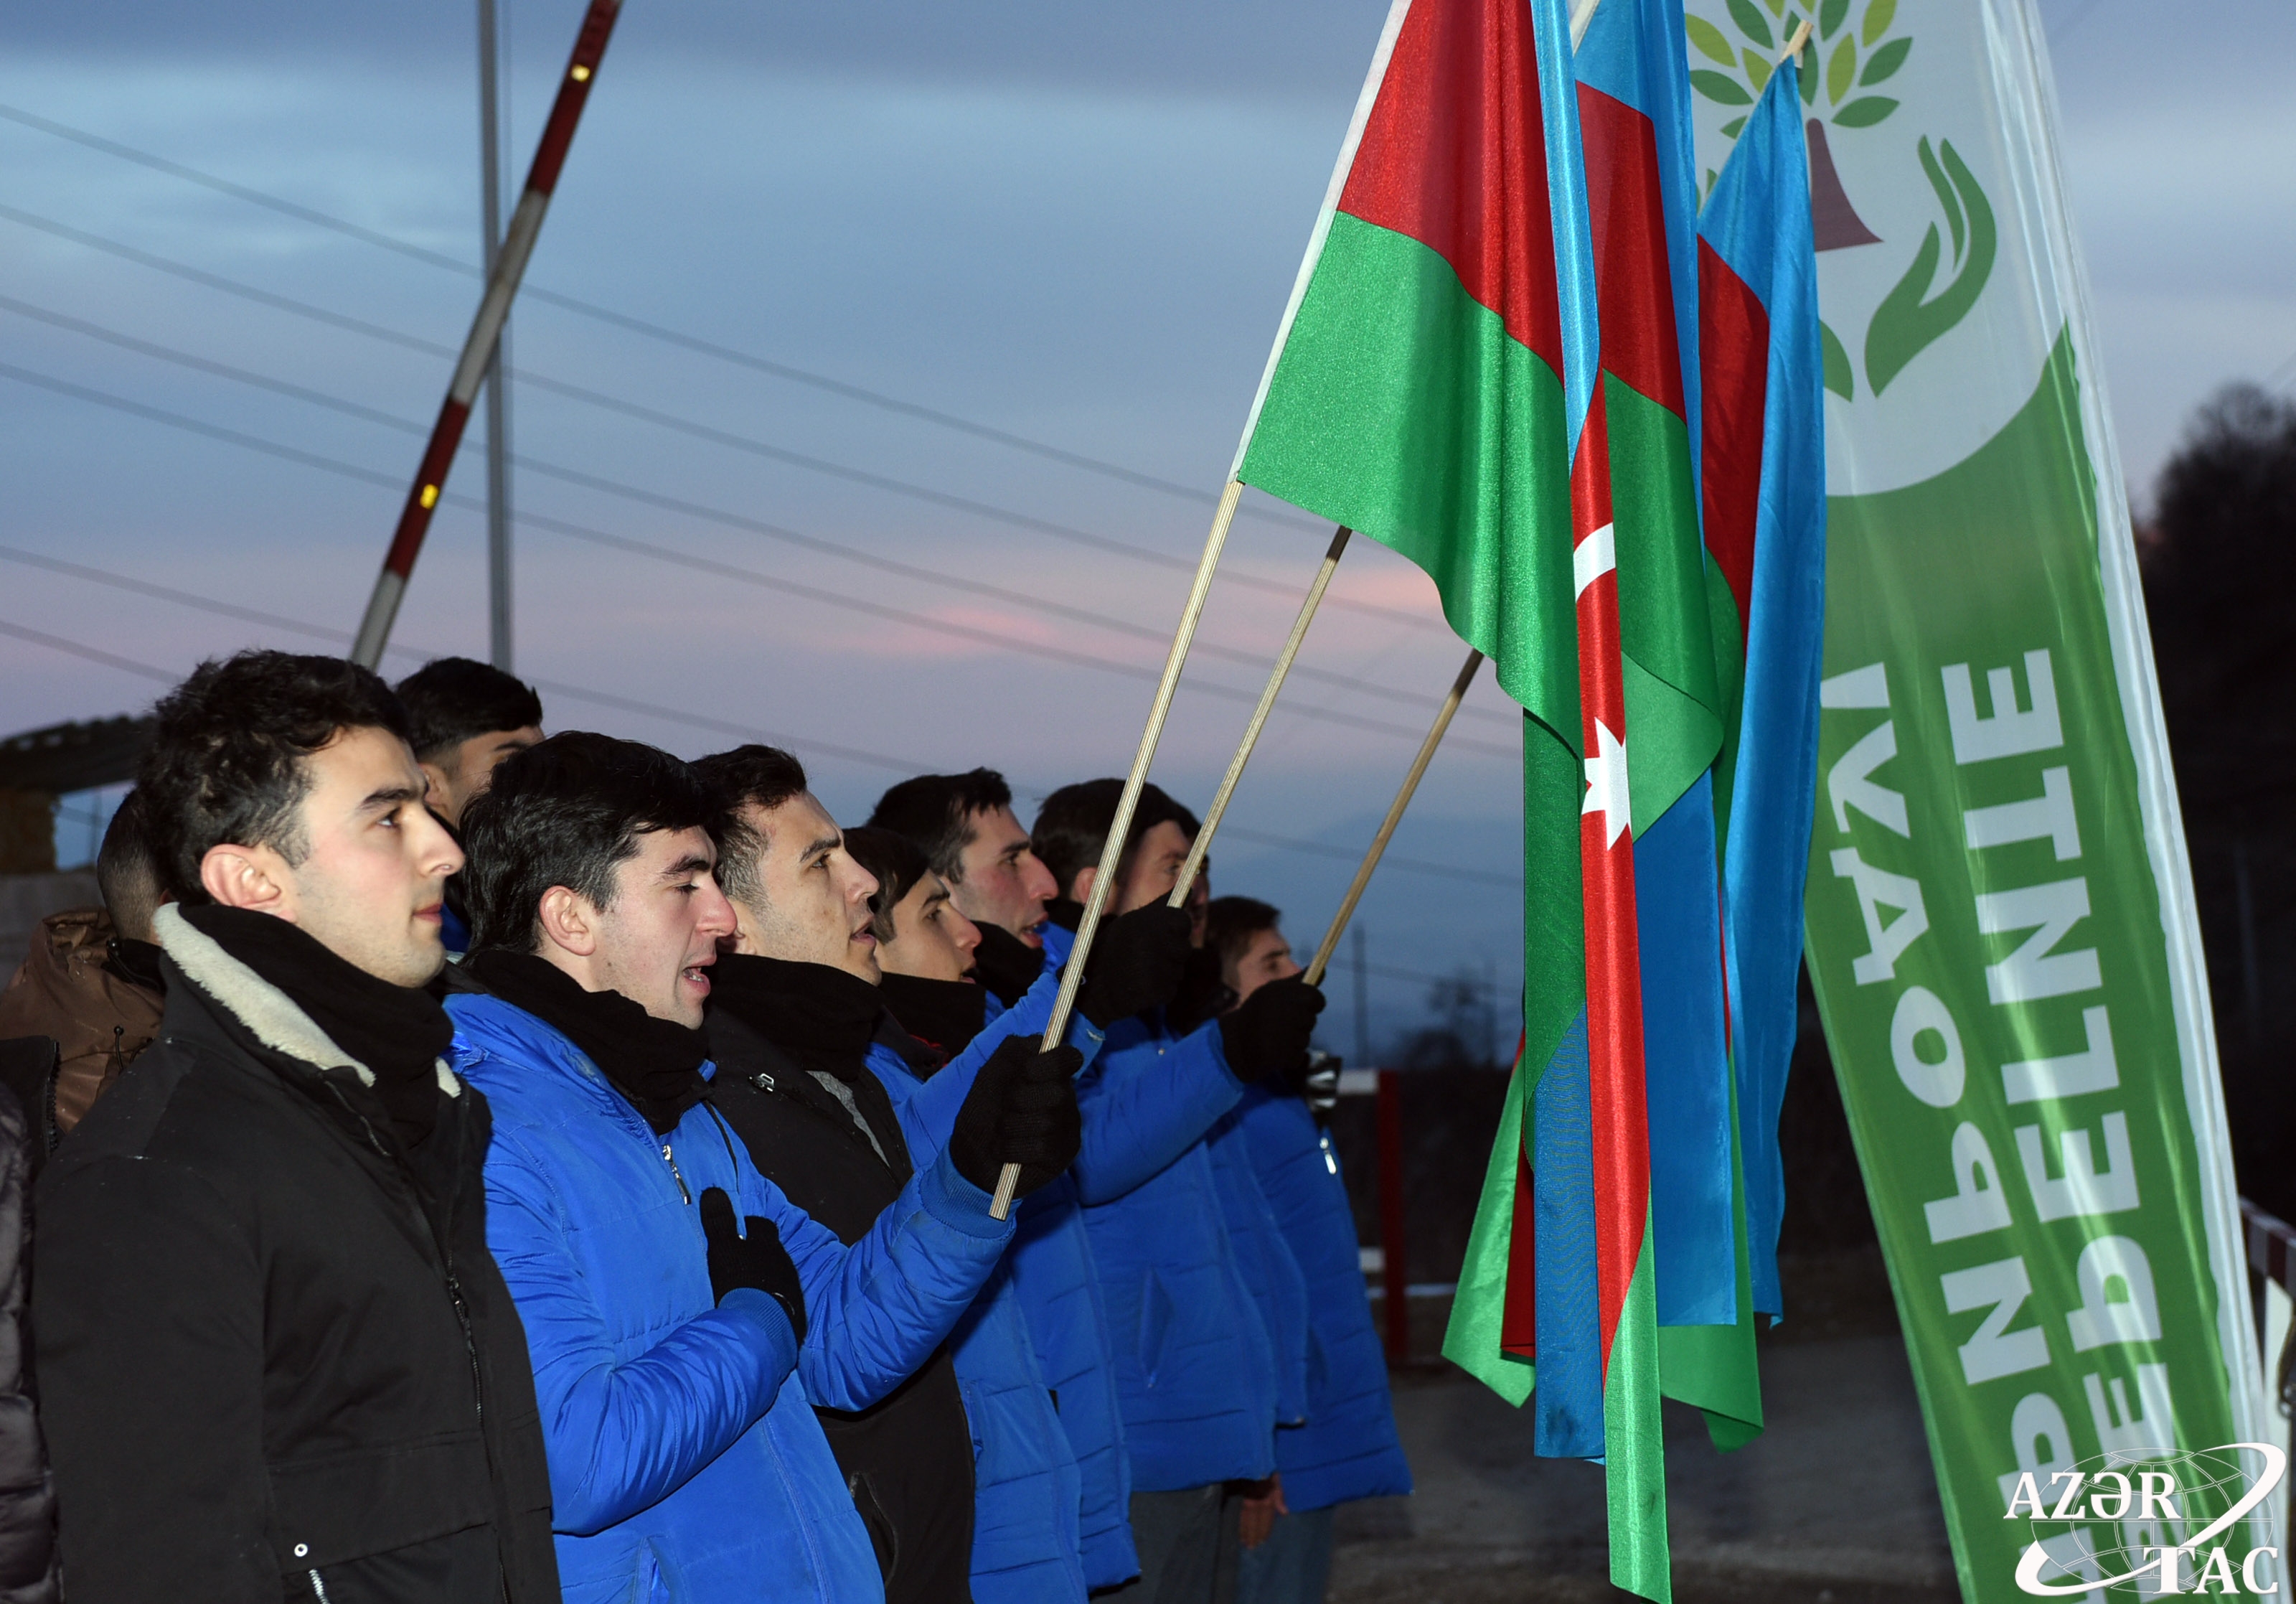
898 862
566 812
756 775
226 762
1073 824
451 699
1231 922
935 812
126 875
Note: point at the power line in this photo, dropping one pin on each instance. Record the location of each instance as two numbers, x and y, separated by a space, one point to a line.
700 430
639 326
841 552
719 569
555 687
57 643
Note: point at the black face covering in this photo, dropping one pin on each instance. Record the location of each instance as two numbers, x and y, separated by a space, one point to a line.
1005 964
655 1063
819 1013
946 1014
397 1031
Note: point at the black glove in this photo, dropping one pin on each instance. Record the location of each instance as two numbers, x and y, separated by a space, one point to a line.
1321 1086
1202 995
758 1260
1267 1034
1021 1110
1135 963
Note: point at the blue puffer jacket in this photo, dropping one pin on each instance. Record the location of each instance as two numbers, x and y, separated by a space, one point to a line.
1269 1269
1349 1448
1195 1370
685 1461
1059 1289
1028 1542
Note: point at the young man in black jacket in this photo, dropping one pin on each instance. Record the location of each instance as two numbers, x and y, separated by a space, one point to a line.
275 1356
788 1039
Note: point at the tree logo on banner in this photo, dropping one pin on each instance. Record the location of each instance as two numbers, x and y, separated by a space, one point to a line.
1852 54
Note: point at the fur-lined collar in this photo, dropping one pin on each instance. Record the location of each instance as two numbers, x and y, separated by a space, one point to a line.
268 1013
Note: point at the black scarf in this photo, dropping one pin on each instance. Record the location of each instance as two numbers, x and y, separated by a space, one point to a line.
946 1014
655 1063
1005 964
819 1013
397 1031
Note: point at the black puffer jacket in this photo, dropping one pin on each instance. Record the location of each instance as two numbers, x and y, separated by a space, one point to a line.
275 1356
29 1571
908 1459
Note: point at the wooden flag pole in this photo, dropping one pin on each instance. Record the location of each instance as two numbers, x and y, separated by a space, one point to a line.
1331 943
1203 841
1104 882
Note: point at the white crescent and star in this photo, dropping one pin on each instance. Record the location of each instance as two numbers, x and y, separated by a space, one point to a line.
1606 768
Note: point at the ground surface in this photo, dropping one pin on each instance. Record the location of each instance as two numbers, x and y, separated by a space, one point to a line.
1834 1504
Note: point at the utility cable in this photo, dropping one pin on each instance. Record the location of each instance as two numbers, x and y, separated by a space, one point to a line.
712 566
639 326
679 715
843 553
700 430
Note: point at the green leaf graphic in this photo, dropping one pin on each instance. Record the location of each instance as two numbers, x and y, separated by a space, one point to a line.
1830 15
1885 61
1841 71
1839 378
1712 43
1936 176
1777 7
1715 86
1730 129
1864 112
1878 18
1751 24
1758 68
1808 76
1905 323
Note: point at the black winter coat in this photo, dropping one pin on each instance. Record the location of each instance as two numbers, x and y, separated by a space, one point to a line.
29 1571
275 1355
907 1458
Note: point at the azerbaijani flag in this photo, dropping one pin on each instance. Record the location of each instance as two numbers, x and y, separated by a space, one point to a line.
1763 483
1438 384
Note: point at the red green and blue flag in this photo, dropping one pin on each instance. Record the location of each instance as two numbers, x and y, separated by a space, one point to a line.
1490 364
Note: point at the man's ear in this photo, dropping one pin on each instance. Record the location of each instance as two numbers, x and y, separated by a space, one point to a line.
437 791
249 877
1080 888
568 921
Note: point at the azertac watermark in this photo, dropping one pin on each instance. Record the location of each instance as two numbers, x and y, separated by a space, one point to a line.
2155 1521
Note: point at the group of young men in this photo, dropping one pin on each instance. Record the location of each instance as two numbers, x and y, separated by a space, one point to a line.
646 1250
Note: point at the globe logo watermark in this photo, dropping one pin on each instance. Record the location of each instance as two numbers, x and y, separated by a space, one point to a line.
2156 1519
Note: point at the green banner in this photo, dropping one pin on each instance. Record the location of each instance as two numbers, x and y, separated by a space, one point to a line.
1999 915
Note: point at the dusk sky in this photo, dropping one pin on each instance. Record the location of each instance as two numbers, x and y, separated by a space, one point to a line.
1077 226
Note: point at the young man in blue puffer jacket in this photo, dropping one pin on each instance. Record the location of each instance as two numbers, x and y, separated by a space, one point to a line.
1135 1126
1198 1371
677 1354
802 978
1347 1448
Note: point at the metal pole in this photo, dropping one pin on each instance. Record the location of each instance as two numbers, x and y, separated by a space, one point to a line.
498 644
1363 1002
1394 1255
478 350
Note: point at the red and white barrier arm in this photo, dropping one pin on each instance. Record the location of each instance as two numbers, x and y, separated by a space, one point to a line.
486 329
